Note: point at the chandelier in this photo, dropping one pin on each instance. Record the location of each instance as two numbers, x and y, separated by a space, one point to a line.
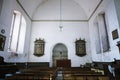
60 16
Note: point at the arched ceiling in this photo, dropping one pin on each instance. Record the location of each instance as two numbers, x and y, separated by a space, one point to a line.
87 7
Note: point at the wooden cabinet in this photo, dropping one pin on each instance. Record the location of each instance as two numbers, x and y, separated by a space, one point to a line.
39 47
80 47
63 63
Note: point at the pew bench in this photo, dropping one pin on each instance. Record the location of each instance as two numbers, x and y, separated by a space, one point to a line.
6 68
85 77
34 74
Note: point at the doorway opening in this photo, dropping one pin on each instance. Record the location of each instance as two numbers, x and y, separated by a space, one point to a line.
60 51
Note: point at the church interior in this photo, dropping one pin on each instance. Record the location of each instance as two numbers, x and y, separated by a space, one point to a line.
59 39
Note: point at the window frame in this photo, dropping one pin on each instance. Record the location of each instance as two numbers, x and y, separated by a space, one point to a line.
16 13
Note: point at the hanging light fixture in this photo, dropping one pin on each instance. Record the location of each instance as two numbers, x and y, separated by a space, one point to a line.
60 24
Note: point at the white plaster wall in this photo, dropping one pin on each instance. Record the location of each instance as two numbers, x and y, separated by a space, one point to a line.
88 6
117 6
5 23
108 7
50 32
1 1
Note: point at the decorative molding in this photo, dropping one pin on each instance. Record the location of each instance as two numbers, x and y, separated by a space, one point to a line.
59 20
24 9
95 9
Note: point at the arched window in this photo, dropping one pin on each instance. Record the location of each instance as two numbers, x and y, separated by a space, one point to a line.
97 37
101 34
17 34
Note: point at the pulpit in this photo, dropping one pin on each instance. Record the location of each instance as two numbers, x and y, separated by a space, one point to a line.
63 63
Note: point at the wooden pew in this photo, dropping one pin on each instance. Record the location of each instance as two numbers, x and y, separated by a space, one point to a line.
77 73
6 68
29 76
48 73
45 73
85 77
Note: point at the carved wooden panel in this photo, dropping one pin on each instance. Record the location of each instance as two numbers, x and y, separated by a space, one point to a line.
39 47
118 44
80 47
115 34
2 42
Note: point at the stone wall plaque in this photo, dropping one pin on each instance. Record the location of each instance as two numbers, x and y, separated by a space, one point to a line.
80 47
39 47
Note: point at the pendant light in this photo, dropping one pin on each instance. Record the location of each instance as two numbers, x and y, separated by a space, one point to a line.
60 24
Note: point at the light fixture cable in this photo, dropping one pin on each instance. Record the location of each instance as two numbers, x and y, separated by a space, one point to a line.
60 24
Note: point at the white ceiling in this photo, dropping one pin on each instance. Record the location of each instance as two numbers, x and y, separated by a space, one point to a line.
31 6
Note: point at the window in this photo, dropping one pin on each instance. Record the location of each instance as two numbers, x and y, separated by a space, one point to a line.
103 33
97 37
17 34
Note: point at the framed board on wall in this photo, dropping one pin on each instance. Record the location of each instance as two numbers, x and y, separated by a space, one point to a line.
39 47
115 34
80 47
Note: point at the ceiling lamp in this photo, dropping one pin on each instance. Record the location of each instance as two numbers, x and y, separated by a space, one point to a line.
60 24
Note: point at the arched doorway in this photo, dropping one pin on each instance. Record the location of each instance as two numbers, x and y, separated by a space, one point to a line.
59 52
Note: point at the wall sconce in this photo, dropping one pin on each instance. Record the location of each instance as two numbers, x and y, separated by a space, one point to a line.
2 31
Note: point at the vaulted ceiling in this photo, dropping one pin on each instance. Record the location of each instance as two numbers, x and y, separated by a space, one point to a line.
85 8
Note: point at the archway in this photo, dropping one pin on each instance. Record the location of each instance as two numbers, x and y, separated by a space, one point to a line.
59 52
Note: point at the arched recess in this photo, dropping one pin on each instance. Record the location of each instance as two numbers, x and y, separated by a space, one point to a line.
60 51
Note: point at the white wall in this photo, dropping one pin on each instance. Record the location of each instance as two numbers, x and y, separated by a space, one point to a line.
5 23
50 32
117 4
108 7
1 2
46 27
